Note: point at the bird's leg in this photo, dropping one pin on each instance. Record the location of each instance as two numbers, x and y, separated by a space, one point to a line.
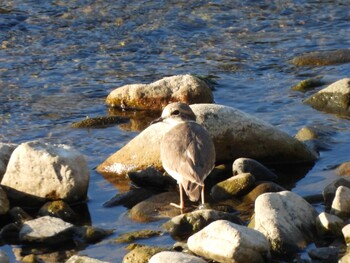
202 195
181 205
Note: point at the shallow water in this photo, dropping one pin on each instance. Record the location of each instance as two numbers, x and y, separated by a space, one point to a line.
60 58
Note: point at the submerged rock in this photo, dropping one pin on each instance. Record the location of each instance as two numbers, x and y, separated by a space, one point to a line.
265 187
333 99
90 234
247 165
287 221
182 226
224 241
141 234
58 209
38 172
323 58
100 122
141 254
49 230
175 257
234 134
155 96
308 84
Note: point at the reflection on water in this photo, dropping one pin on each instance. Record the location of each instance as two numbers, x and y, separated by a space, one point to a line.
59 59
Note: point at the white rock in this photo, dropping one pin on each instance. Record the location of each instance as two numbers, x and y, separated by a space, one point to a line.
328 224
47 171
4 202
224 241
286 219
83 259
346 233
6 150
175 257
341 202
46 229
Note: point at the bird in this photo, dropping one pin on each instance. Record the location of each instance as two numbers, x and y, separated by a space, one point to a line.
187 151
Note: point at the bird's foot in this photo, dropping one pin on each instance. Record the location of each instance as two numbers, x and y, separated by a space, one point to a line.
182 207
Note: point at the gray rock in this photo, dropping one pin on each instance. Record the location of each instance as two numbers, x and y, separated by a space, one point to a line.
46 172
324 254
329 225
266 187
236 185
287 221
346 233
155 96
224 241
141 254
4 258
247 165
4 202
341 202
46 229
6 150
182 226
329 191
333 99
234 134
175 257
83 259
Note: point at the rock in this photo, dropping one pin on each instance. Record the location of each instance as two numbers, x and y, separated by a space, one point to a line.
141 254
58 209
141 234
19 216
323 58
59 170
48 230
343 169
6 150
234 134
317 138
4 258
234 186
9 234
329 225
100 122
266 187
287 221
345 258
155 96
333 99
182 226
90 234
308 84
341 202
346 233
329 191
4 202
224 241
155 208
151 177
175 257
247 165
83 259
324 254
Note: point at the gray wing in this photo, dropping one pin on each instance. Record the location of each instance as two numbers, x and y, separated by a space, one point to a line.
189 152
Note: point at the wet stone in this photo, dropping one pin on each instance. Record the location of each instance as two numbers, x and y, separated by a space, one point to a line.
324 254
323 58
329 225
141 254
141 234
58 209
49 230
259 171
6 150
90 234
341 202
330 190
237 185
308 84
151 177
175 257
346 233
343 169
19 215
182 226
266 187
4 202
10 234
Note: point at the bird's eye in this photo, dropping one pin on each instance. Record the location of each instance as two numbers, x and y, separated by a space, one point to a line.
175 112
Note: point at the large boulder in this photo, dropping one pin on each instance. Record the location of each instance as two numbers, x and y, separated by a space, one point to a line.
223 241
155 96
38 172
333 99
286 219
235 134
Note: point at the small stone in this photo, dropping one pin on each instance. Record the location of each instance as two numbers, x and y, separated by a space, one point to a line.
237 185
19 215
343 169
308 84
58 209
175 257
323 58
141 234
141 254
83 259
259 171
327 224
266 187
90 234
4 202
50 230
346 233
341 202
224 241
182 226
329 191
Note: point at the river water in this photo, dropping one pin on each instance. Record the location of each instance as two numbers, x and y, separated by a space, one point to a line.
59 59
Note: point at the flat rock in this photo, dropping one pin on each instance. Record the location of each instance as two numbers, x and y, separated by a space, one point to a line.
46 172
234 134
341 202
224 241
46 229
4 202
6 150
287 221
175 257
333 99
182 226
155 96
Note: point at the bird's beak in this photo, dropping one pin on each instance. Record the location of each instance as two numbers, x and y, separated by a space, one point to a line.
160 119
